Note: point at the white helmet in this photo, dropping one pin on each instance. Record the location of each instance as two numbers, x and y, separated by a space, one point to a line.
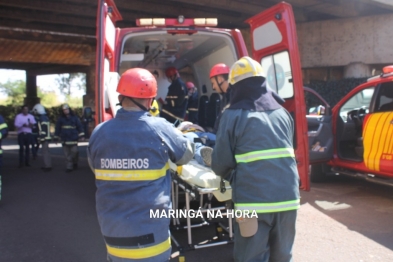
39 109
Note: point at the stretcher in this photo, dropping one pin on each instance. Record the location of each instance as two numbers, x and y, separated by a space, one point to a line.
198 181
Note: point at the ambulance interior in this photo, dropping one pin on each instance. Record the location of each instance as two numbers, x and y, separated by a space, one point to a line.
192 54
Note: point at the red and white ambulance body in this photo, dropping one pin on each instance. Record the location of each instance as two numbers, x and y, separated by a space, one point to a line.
193 46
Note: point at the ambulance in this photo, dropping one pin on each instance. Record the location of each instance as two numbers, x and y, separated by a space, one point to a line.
193 46
355 138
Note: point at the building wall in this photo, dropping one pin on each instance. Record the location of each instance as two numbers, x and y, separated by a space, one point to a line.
343 48
343 42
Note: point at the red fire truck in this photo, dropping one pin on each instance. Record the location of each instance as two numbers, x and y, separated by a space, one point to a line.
193 46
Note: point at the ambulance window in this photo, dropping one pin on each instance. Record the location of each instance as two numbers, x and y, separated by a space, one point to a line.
279 73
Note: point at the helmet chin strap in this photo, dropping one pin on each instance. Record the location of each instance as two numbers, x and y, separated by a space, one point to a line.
121 101
135 102
219 84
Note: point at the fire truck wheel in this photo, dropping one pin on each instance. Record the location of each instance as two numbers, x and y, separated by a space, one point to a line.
318 173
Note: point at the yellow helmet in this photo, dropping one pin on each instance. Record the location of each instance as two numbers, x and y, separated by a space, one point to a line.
244 68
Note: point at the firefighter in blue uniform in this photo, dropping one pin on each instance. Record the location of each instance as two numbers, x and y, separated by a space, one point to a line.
193 101
129 156
69 130
254 144
3 134
219 80
175 106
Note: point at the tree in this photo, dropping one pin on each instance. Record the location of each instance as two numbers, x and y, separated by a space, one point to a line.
48 99
16 91
67 82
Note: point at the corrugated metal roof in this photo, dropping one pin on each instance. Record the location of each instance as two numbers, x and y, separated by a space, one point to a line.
46 52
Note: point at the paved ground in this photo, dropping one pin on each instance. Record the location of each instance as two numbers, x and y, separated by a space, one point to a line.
51 217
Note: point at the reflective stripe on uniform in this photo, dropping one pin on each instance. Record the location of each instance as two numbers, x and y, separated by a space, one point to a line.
70 143
265 154
193 109
130 175
140 253
3 125
68 127
269 207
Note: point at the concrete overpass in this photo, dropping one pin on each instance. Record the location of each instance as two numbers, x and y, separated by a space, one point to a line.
337 38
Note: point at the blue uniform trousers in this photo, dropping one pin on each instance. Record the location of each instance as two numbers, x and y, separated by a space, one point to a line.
273 241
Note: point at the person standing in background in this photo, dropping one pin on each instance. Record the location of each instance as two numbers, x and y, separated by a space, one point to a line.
35 144
24 123
175 105
43 135
193 101
69 130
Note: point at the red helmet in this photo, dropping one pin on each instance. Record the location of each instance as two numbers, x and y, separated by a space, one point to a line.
138 83
171 71
219 69
190 85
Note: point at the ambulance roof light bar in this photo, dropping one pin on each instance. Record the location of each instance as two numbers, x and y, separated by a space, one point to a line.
180 21
387 69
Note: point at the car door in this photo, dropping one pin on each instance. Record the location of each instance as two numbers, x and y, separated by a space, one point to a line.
319 125
106 77
274 45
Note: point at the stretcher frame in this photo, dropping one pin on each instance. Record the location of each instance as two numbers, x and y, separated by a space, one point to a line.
192 192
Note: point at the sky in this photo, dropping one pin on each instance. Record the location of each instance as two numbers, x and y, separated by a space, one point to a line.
45 82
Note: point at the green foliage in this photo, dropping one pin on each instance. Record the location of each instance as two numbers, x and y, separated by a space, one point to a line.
9 113
15 90
74 102
68 81
49 99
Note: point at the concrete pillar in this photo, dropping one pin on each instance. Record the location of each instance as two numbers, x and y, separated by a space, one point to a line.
357 70
31 90
89 98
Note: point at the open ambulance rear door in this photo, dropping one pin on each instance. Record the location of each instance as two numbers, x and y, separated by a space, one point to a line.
106 77
274 43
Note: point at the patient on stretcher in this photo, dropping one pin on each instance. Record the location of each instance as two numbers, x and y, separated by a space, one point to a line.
204 141
197 172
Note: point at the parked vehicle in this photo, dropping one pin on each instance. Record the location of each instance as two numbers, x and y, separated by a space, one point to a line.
356 139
